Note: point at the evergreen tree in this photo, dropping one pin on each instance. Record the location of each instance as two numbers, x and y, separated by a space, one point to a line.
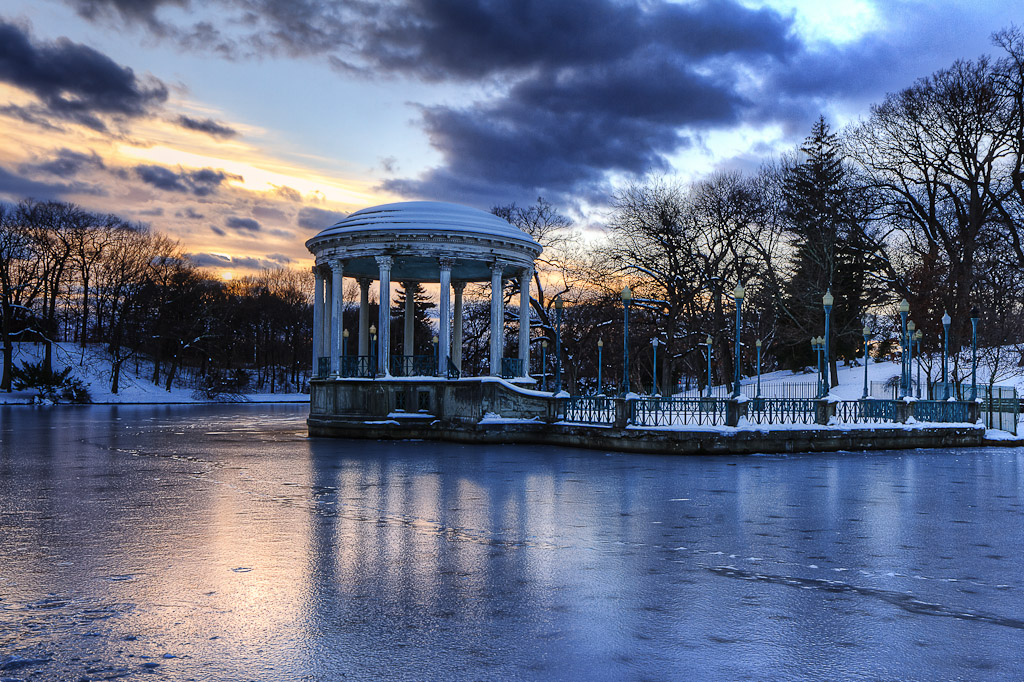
825 217
423 330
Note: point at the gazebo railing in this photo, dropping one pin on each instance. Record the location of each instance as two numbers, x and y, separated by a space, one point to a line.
413 365
588 409
323 367
940 411
782 410
677 411
511 368
356 366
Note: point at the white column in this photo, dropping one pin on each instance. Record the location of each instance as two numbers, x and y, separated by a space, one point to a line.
364 316
497 319
325 325
337 305
384 315
443 324
318 317
457 331
524 319
410 317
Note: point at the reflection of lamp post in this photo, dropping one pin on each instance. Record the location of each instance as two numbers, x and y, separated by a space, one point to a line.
654 372
544 365
826 301
738 296
904 379
558 343
708 344
757 344
911 328
867 337
946 319
600 347
974 353
627 296
918 336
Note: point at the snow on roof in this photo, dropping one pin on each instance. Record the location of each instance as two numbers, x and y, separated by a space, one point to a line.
429 216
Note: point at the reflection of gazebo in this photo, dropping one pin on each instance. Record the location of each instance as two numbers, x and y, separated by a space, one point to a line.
417 241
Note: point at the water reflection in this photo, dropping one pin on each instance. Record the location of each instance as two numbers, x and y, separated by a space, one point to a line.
224 538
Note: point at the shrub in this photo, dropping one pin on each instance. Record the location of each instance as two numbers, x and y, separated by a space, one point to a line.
52 386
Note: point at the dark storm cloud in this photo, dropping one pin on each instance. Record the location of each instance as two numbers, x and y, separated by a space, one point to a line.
208 126
242 224
74 81
200 182
311 218
66 163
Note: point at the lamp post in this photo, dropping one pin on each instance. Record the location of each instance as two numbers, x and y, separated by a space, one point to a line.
373 349
544 365
818 345
558 343
917 337
904 379
867 337
974 353
708 344
627 296
911 328
344 352
738 293
757 344
946 319
437 359
600 347
826 301
654 371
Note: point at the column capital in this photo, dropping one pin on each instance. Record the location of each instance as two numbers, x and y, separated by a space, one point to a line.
384 262
337 265
364 282
497 268
458 286
446 262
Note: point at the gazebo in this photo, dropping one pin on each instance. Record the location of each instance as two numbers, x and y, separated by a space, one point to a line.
417 242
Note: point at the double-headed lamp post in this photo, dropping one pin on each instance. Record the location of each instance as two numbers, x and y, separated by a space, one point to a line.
917 337
627 297
708 344
757 345
558 343
826 301
904 378
911 328
738 294
600 347
946 319
974 352
654 371
867 337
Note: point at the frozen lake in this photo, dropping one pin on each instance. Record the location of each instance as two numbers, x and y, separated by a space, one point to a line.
219 543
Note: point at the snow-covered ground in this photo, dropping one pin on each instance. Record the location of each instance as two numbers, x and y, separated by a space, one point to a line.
92 366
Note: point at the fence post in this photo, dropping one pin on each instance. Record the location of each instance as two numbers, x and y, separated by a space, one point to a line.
623 412
973 411
904 411
556 407
824 411
736 410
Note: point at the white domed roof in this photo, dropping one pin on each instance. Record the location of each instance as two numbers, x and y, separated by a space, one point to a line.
427 216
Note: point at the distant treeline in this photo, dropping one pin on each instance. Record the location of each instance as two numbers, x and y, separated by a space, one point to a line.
67 274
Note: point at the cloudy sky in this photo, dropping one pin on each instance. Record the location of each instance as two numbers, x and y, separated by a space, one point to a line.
242 127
